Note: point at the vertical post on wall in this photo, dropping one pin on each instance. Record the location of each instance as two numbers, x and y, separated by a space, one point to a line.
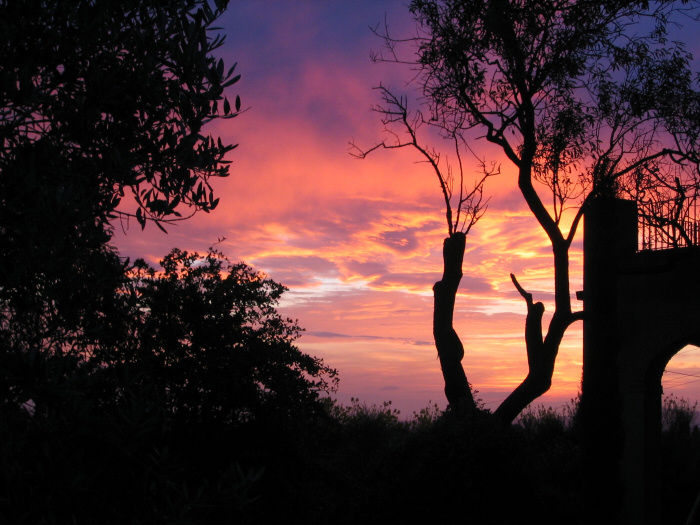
610 227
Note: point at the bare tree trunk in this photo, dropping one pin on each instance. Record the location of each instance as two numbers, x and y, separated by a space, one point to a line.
538 361
447 342
541 353
541 356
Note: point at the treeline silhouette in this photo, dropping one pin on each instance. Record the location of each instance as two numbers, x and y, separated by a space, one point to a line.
133 459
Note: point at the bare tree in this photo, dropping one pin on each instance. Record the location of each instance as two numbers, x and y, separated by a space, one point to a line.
587 99
462 210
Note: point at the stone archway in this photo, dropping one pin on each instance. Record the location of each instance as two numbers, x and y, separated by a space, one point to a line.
640 309
641 391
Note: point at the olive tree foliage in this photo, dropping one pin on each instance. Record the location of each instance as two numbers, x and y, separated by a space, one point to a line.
103 113
586 99
99 100
113 97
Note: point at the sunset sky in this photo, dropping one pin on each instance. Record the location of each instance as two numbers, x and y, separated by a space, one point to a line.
358 242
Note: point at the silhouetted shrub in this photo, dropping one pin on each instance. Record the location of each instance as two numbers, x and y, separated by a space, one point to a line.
365 465
677 414
679 458
177 419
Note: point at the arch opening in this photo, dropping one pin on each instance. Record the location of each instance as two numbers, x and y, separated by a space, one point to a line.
681 378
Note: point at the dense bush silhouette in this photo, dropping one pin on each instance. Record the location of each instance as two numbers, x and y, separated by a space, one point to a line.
368 466
126 463
680 458
364 464
172 414
212 346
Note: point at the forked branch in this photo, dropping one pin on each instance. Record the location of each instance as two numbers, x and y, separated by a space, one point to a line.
470 205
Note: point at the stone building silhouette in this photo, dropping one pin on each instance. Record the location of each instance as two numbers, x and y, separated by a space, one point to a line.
641 308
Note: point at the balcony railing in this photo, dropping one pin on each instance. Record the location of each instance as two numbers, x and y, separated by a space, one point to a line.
664 225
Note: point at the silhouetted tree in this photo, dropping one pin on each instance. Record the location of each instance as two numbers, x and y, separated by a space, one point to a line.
586 99
97 100
113 98
463 209
196 372
211 345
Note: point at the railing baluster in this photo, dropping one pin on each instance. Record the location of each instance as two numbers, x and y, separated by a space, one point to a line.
665 232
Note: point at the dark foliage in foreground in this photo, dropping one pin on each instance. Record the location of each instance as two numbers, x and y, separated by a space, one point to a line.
103 110
366 466
354 464
149 415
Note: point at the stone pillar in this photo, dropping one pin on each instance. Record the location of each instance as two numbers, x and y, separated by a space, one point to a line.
610 236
